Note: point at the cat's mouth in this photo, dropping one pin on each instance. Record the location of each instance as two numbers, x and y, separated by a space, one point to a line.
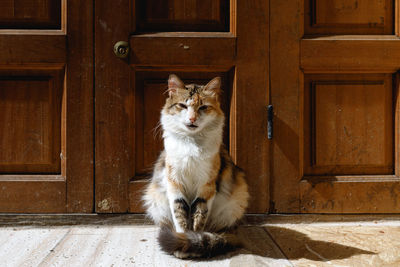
191 126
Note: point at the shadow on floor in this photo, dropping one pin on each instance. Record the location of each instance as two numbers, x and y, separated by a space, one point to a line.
297 245
294 245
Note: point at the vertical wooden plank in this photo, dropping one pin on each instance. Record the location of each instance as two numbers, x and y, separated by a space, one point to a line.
285 96
78 128
249 145
396 98
397 17
396 110
114 158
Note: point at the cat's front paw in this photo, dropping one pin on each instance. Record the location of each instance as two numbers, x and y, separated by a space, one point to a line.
199 216
181 213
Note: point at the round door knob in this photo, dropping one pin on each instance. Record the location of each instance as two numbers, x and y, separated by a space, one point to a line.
121 49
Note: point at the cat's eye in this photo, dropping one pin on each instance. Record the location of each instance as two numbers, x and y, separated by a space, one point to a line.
182 105
204 107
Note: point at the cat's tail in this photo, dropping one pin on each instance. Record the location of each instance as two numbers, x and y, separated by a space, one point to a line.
196 244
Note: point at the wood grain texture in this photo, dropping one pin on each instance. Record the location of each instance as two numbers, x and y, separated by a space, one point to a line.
149 100
136 191
350 53
113 109
192 49
32 194
79 104
286 29
350 194
348 124
348 17
30 126
181 15
396 121
339 244
38 243
325 130
136 245
123 240
249 145
31 54
245 48
25 14
41 48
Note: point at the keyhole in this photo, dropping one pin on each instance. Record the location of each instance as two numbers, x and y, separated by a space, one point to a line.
122 50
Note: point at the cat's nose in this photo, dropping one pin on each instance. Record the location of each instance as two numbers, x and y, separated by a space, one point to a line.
192 119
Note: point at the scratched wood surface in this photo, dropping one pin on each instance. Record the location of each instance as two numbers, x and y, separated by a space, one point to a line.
132 245
129 240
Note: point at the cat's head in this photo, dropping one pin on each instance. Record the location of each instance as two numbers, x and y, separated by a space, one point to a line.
191 108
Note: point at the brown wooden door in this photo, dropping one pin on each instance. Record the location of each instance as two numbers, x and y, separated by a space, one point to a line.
46 139
334 86
197 40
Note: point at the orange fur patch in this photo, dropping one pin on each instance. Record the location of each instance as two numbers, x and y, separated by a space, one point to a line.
176 185
210 188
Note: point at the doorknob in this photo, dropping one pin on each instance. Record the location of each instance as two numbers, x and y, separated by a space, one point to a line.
121 49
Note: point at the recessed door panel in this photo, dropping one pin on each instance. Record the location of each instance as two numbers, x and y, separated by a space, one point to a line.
349 17
28 14
182 15
348 125
30 123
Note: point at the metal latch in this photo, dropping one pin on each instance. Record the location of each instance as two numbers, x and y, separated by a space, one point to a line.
270 112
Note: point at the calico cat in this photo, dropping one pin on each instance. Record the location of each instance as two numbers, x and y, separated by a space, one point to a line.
196 192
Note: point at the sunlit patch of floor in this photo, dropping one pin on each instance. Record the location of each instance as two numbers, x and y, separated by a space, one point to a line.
285 242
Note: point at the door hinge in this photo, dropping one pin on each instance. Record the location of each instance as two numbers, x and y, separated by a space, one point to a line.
270 124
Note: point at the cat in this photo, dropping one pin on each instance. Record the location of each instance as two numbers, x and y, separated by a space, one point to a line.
196 193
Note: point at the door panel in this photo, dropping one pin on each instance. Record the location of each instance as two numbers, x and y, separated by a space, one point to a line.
20 14
348 124
183 48
348 17
45 107
182 15
30 121
336 102
197 40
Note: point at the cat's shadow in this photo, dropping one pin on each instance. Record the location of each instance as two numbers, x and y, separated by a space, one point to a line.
262 241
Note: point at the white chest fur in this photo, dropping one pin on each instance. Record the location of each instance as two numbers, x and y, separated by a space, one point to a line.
191 161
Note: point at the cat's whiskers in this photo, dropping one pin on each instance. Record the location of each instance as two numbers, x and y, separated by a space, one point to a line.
157 130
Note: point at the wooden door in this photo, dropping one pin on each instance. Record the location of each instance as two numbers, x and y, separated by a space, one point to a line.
46 139
334 86
197 40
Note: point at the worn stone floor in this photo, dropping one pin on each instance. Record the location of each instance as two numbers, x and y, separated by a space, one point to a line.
130 240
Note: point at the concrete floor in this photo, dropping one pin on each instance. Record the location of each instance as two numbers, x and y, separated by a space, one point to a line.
130 240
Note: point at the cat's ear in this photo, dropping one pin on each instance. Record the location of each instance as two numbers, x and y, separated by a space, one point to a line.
174 83
213 87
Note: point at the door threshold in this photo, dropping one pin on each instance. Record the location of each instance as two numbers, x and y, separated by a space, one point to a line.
13 220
